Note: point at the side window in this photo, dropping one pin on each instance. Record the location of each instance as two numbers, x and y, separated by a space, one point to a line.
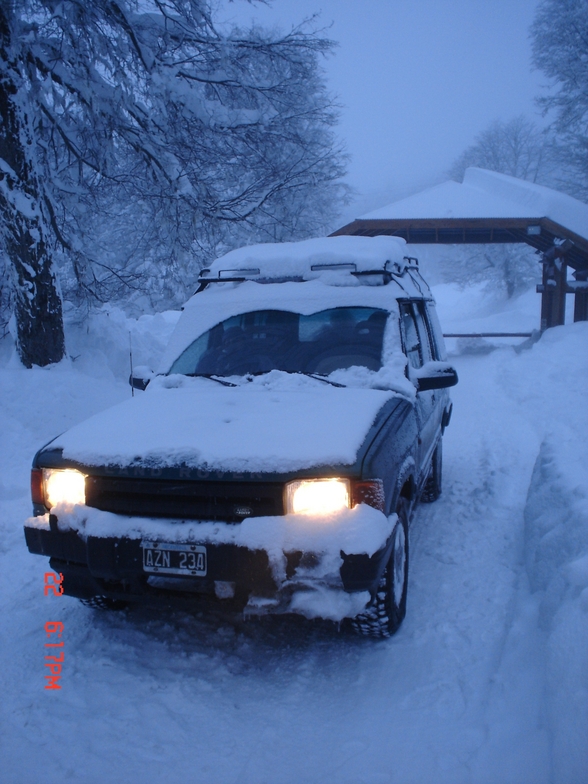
410 335
436 332
427 346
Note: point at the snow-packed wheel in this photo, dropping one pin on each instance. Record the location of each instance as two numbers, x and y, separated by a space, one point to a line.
432 488
388 608
104 603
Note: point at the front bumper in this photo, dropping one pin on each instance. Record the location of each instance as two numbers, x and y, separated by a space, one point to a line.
112 566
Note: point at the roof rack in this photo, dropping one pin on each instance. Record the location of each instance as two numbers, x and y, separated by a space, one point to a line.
225 275
413 259
239 275
344 265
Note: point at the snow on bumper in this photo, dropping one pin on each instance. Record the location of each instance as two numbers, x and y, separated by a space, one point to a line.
315 589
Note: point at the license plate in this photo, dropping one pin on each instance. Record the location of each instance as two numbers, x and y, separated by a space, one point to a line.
167 558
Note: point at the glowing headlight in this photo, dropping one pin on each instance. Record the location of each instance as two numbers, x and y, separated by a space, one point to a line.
317 496
64 486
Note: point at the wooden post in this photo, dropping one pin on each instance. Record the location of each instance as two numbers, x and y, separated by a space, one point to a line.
581 297
553 293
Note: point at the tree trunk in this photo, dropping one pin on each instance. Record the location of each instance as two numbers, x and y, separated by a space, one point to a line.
39 318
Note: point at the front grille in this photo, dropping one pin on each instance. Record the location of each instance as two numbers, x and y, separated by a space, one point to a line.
227 501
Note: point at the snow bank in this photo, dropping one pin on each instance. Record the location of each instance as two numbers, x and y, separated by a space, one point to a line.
552 383
556 517
556 528
100 346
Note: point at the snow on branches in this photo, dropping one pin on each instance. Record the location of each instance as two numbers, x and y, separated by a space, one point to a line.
153 138
559 36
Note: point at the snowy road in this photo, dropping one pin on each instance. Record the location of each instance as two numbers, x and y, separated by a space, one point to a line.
458 695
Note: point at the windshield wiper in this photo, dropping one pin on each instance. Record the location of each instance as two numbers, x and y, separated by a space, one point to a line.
213 377
321 378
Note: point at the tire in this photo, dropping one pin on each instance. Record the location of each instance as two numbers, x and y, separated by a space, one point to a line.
104 603
432 489
386 612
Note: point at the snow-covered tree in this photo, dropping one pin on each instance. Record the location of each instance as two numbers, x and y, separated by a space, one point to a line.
519 148
516 147
507 269
25 214
137 137
559 37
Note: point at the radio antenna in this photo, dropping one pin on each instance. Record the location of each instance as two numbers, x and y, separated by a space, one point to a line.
131 361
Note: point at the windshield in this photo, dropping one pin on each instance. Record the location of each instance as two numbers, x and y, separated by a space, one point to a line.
267 340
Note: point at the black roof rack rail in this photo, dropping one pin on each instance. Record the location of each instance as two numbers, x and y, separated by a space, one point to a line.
204 280
337 265
386 274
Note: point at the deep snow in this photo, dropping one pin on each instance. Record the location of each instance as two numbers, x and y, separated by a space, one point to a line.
487 680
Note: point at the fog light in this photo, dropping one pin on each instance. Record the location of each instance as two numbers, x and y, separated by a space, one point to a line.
64 486
317 496
224 589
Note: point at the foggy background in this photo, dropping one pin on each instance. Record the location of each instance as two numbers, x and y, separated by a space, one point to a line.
416 81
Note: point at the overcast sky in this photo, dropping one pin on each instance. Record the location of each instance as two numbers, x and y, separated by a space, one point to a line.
418 80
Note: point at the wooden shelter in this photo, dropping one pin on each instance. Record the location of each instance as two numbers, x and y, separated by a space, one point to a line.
494 208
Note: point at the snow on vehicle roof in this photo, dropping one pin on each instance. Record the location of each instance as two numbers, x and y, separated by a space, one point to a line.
297 259
488 194
330 288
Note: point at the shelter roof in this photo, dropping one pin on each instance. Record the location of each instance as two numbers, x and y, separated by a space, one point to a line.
486 207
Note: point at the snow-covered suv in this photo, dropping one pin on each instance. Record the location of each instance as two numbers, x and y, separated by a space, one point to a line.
275 459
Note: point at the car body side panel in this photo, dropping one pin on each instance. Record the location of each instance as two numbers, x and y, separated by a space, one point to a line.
390 450
430 408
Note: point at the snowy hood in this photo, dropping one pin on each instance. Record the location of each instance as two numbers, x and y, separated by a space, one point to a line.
257 427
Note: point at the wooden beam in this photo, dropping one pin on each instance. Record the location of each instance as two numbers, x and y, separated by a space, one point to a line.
475 231
385 226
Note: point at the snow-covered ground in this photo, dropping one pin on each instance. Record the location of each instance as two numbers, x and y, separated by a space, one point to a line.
486 682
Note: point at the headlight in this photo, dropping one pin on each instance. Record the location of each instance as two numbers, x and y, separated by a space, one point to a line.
64 486
317 496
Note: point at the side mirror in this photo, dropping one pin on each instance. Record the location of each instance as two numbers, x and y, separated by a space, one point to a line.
140 377
434 375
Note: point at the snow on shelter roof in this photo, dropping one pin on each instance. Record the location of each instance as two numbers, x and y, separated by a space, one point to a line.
488 194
